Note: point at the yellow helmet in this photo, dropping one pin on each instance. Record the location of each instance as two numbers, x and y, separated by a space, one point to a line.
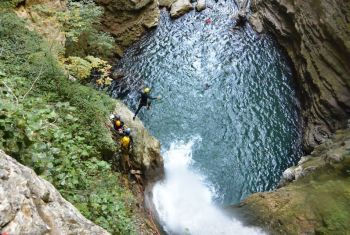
125 141
118 123
147 90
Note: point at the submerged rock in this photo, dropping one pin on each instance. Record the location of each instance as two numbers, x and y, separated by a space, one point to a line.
180 7
31 205
146 148
316 36
201 5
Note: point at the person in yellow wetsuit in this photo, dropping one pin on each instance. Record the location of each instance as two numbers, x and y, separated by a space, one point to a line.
125 146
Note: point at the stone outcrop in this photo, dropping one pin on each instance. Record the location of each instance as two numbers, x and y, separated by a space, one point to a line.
31 205
128 20
166 3
200 5
315 197
146 148
180 7
316 36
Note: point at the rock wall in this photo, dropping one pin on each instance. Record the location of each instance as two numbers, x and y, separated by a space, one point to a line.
128 20
316 36
315 198
31 205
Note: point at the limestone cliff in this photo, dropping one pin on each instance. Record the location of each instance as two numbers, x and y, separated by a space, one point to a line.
31 205
317 199
316 36
128 20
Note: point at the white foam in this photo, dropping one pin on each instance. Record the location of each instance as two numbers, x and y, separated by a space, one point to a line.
184 202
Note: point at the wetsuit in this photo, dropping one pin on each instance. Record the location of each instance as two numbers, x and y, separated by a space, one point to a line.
144 101
120 128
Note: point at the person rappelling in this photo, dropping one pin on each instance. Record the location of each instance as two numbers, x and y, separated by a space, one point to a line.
126 147
145 100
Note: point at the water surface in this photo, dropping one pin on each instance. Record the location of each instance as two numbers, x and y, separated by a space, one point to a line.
233 90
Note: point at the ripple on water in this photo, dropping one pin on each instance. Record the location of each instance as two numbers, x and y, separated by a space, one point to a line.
233 89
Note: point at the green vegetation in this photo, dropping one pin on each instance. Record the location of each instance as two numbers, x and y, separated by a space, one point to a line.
58 127
9 3
81 24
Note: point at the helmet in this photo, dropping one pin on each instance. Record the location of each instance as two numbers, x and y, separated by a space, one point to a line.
116 116
127 131
118 123
125 141
147 90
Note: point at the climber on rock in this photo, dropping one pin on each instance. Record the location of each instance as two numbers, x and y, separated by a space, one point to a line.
145 100
118 124
125 147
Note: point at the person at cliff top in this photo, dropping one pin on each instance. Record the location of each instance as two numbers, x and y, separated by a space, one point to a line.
145 100
125 147
118 124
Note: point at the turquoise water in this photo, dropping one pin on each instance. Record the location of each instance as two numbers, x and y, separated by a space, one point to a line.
232 91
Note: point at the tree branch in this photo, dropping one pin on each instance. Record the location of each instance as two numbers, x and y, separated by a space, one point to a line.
10 90
36 79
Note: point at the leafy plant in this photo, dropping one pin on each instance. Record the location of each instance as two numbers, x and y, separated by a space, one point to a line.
83 37
57 127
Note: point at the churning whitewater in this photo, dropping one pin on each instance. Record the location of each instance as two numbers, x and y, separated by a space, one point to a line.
184 201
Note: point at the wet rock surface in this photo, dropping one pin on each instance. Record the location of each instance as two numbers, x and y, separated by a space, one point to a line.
316 37
31 205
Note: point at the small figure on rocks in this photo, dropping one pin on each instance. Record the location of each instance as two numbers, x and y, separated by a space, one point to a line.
125 147
145 100
241 20
208 21
118 124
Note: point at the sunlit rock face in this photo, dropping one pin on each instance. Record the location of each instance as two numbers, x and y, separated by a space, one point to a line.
31 205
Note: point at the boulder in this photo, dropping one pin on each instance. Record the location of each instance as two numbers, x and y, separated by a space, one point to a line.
31 205
166 3
146 148
180 7
201 5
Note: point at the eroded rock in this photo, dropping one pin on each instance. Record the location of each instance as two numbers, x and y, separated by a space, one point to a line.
180 7
31 205
200 5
